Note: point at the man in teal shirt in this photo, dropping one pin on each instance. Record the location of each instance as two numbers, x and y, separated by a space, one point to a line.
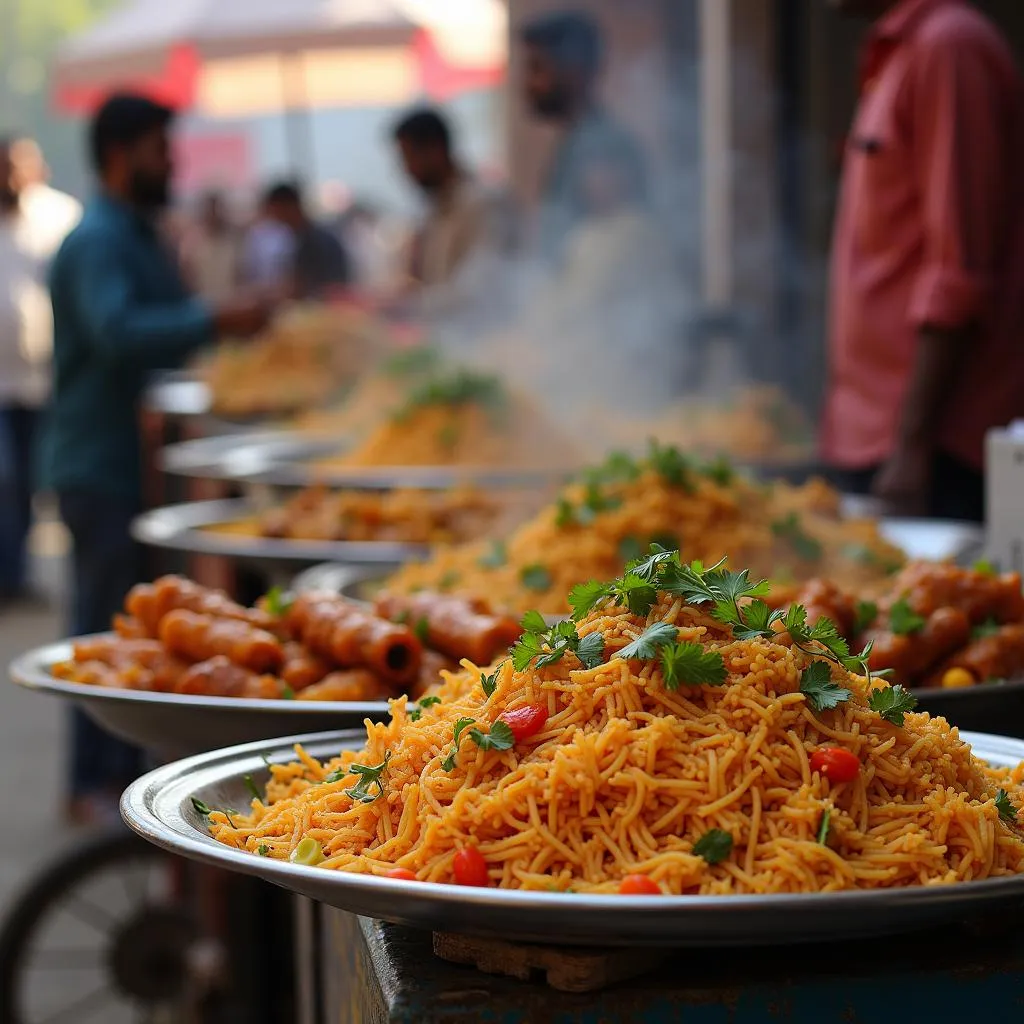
120 311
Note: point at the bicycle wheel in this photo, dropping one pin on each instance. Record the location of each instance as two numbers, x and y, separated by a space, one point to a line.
96 936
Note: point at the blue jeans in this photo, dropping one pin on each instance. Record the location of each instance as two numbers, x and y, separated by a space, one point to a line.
17 434
105 565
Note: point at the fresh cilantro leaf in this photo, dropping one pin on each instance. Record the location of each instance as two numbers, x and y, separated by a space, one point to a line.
251 787
892 703
670 464
565 513
665 541
369 775
526 648
756 620
1007 812
448 580
987 628
616 468
585 597
460 727
647 568
824 632
336 776
633 591
416 713
591 650
263 850
803 545
533 622
460 387
495 556
714 846
866 613
816 685
278 602
489 682
535 577
201 808
422 629
650 641
595 500
903 620
823 827
630 549
287 693
719 470
985 567
689 664
500 737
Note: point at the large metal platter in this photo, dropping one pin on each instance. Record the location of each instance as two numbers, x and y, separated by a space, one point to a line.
177 725
185 528
284 458
159 808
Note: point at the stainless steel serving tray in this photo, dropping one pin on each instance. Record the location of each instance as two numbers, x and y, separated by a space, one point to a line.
185 528
159 808
177 725
283 458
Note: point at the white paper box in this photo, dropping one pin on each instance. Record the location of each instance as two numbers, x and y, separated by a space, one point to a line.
1004 457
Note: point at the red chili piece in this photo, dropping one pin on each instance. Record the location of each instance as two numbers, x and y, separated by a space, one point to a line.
638 885
835 764
526 721
402 874
470 867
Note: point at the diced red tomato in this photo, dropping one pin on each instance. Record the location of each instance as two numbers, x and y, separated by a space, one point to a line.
526 721
639 885
835 764
470 867
402 874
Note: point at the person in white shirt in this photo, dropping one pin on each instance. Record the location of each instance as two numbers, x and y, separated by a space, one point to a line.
212 253
468 227
34 219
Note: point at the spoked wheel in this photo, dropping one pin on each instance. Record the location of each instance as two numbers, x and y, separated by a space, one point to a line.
100 935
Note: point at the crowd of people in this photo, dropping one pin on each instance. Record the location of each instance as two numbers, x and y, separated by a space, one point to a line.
927 292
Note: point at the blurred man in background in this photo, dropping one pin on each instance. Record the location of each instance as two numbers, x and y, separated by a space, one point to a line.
319 263
564 55
927 291
212 252
34 219
120 310
464 221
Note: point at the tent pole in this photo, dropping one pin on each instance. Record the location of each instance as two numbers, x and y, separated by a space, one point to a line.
298 117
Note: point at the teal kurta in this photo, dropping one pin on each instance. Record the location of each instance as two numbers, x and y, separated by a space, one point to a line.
120 311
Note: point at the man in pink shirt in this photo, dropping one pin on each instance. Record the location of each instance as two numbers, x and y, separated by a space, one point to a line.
927 284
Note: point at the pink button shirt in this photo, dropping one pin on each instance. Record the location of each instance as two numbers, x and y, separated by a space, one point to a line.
930 231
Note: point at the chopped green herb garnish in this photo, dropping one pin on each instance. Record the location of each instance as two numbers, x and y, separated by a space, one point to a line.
670 464
460 727
369 775
714 846
689 664
287 693
459 387
816 685
489 682
500 737
650 641
416 713
278 602
903 620
548 645
448 580
535 577
756 620
720 471
892 703
1007 812
804 546
985 567
422 629
448 437
987 628
201 808
585 597
413 361
823 827
866 613
495 556
618 467
263 850
251 786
